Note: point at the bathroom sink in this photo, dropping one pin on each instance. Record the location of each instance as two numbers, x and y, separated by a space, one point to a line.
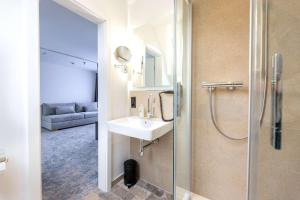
141 128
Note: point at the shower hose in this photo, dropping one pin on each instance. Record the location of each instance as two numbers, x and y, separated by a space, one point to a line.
211 108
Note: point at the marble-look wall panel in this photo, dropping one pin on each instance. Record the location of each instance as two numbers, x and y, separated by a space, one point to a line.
220 53
279 171
156 165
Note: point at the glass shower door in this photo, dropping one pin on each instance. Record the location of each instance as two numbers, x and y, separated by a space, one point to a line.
274 167
182 102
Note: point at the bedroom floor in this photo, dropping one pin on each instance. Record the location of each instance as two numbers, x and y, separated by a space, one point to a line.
69 163
69 169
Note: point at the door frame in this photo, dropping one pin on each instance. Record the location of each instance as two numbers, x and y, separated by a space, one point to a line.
258 44
34 108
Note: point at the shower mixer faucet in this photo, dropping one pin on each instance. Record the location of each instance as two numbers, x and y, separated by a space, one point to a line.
211 87
228 85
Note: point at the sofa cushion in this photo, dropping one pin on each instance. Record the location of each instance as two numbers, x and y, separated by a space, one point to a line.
50 108
90 108
64 110
80 107
90 114
62 118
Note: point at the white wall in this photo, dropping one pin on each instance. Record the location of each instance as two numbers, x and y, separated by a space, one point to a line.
64 84
18 70
19 92
65 31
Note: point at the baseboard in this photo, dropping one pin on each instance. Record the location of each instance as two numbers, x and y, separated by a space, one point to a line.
117 179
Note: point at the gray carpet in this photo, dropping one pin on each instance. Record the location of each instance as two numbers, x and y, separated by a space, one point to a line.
69 163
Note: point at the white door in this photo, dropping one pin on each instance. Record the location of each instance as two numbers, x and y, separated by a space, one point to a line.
18 24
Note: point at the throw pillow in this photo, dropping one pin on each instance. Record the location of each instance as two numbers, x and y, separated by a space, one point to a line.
90 108
65 110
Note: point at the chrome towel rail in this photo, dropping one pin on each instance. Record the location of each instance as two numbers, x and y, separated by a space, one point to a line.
228 85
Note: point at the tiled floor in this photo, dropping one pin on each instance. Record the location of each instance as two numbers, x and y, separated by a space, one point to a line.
185 194
141 191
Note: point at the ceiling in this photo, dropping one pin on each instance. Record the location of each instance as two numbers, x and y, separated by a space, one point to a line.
148 11
64 31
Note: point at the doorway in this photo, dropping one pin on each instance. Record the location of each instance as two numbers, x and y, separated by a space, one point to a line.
69 102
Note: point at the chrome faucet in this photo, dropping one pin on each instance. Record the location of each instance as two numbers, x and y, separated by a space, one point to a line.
151 107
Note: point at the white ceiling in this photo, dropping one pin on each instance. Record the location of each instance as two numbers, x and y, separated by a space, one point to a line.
148 11
64 31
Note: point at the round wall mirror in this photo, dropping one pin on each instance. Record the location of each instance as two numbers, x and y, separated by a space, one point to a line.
123 54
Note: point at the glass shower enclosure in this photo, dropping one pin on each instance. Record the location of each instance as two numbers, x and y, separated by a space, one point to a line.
274 101
182 102
274 127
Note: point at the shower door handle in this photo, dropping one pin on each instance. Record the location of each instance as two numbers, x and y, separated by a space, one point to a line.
178 98
276 126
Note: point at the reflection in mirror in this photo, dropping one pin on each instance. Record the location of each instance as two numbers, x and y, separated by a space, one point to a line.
153 67
151 42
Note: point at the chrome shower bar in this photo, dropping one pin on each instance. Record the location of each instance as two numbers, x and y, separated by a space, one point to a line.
228 85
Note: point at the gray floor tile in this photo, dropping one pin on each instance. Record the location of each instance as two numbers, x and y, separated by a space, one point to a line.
141 191
153 197
155 190
122 193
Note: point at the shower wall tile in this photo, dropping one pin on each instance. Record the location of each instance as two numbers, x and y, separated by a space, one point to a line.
156 166
220 53
279 171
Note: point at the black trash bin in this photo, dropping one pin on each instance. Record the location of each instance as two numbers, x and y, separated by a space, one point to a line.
130 173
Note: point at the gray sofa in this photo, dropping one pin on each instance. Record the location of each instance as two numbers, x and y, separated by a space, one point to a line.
65 115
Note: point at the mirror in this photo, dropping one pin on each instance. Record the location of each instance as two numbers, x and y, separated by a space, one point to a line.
151 28
122 54
153 67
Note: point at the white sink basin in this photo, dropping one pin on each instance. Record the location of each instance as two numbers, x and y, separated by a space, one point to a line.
141 128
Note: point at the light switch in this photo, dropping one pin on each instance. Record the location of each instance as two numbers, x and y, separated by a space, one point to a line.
133 102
